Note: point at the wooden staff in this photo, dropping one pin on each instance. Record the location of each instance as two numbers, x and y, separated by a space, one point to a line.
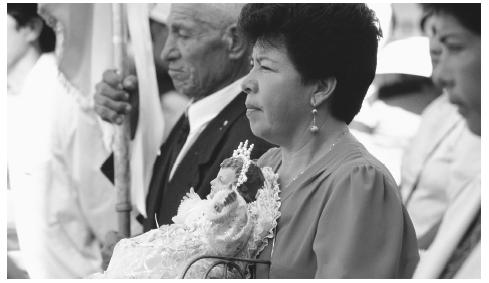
122 135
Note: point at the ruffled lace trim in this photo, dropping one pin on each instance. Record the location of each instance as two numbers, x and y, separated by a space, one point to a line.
265 212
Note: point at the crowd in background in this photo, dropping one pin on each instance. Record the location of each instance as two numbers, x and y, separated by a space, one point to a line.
420 117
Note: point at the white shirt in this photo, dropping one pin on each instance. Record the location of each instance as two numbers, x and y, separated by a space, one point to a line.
201 113
458 217
63 203
446 156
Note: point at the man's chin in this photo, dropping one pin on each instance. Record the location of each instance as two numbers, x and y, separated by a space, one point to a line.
185 89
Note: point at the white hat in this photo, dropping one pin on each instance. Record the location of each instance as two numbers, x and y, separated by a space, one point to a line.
406 56
159 12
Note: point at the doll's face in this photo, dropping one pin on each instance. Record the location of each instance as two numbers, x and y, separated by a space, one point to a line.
224 198
224 180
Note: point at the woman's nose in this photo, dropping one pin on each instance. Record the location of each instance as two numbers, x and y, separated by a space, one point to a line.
441 73
249 85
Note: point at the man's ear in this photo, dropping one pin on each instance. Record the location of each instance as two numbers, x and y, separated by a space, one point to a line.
324 90
235 41
33 29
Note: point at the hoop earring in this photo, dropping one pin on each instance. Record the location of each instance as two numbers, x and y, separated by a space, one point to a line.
314 129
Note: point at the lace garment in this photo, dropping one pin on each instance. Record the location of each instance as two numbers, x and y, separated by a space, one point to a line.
221 225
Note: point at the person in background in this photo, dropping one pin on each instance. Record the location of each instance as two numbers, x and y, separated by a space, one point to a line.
402 88
207 59
455 36
442 158
341 212
63 204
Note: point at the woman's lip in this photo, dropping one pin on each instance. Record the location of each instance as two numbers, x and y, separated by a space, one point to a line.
251 107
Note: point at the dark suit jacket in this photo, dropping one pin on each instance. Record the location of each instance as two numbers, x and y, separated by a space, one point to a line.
201 163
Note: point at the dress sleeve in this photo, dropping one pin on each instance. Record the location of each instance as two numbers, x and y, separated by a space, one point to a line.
361 228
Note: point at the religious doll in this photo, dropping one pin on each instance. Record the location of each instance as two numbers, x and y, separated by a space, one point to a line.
236 219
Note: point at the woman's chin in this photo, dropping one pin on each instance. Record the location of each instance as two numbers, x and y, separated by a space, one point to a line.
258 129
474 123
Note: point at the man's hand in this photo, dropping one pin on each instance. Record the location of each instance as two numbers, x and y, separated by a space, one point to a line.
111 239
113 96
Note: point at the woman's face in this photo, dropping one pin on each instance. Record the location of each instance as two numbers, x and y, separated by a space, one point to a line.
458 66
278 103
17 42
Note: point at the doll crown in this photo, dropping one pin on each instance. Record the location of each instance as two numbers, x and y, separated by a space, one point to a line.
243 152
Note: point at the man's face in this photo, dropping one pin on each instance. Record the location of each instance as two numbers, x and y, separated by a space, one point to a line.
457 66
17 43
196 53
159 33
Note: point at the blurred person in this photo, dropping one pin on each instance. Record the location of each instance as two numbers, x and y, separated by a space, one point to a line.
401 89
207 58
442 158
341 213
63 205
455 251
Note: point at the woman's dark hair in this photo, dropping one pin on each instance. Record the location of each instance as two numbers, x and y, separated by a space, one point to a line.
468 14
24 13
255 178
322 40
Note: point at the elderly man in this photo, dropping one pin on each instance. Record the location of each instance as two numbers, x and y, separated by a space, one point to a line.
207 58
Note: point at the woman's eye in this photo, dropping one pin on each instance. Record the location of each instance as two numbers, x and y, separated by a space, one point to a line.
454 48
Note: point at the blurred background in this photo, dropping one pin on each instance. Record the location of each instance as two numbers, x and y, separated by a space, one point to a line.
388 120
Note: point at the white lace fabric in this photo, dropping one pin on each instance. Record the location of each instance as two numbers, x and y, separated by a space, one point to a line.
224 225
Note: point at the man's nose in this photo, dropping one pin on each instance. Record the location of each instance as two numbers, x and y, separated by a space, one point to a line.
170 52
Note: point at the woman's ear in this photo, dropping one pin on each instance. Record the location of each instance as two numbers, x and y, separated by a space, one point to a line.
33 29
235 41
324 90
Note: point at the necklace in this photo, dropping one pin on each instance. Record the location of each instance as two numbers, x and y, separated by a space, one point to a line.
307 167
297 176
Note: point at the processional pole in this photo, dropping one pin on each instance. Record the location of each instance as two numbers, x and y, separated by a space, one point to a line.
122 133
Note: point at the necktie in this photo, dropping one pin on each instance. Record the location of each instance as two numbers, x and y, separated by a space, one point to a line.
176 147
470 239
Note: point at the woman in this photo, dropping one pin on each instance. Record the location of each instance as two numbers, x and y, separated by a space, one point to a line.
455 39
341 213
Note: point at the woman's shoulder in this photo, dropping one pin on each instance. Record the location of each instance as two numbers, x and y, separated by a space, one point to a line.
356 158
